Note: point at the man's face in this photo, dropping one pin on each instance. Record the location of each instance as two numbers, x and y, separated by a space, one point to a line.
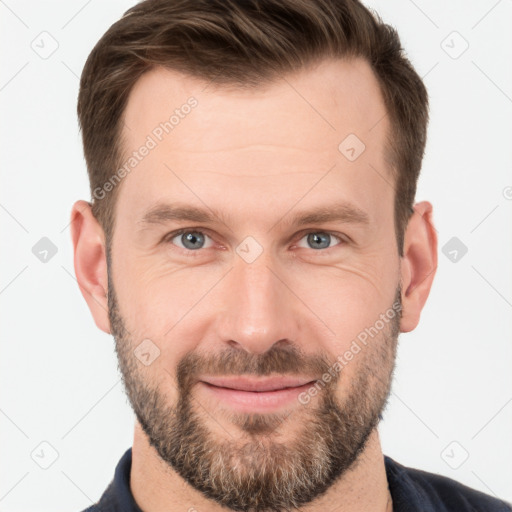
252 293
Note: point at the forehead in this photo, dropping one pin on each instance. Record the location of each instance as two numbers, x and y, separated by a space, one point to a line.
270 143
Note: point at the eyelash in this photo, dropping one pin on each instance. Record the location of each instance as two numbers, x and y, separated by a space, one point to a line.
343 239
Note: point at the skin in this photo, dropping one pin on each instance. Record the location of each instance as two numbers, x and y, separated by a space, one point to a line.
258 157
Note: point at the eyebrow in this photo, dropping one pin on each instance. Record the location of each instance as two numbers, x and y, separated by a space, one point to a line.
162 213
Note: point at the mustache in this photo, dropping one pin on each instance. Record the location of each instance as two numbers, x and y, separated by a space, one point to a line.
287 360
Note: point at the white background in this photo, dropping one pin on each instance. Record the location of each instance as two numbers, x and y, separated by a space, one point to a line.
59 380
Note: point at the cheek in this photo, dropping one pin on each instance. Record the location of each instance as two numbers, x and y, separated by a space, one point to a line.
356 291
349 298
150 290
167 304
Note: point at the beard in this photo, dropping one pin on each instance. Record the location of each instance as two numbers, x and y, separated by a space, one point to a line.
258 469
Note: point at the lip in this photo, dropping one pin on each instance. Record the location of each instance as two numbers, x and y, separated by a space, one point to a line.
255 394
257 385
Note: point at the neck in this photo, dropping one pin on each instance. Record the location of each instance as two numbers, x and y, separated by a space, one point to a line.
156 486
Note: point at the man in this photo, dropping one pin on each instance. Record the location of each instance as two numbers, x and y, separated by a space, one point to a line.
254 248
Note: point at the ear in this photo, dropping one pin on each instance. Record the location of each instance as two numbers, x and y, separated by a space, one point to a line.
90 262
418 264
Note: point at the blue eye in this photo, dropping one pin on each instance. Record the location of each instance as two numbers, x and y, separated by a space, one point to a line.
320 239
190 240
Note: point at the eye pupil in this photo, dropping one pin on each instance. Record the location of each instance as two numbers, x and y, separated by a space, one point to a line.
319 241
191 238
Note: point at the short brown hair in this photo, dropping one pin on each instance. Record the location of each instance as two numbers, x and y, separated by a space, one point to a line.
246 43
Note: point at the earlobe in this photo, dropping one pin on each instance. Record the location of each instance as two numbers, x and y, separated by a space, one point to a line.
418 265
90 262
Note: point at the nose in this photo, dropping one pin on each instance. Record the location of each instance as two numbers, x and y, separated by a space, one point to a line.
257 309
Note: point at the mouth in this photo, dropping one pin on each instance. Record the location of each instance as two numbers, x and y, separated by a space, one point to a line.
256 394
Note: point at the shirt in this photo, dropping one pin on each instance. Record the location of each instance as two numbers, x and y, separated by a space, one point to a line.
412 490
